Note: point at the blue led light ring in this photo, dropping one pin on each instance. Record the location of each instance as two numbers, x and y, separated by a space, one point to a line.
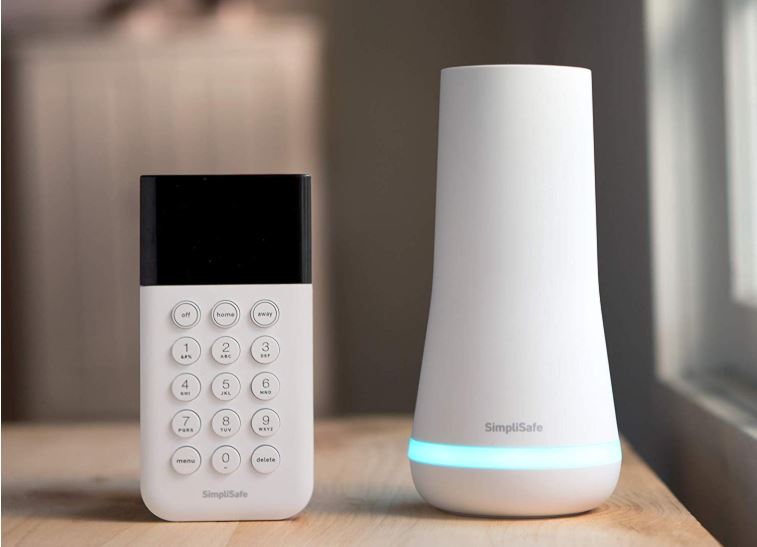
514 458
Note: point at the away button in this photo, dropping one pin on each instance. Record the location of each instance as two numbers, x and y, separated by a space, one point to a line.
264 313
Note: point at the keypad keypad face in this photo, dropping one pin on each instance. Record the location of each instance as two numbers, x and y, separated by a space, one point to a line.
225 423
226 408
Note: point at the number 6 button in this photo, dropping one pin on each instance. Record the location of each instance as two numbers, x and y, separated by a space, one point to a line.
265 350
265 386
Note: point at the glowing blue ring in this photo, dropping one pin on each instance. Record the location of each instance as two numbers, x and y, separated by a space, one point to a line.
515 458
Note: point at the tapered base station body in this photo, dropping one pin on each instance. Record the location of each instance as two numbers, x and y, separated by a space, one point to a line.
515 414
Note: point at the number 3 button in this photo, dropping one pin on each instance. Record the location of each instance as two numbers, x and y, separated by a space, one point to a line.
265 350
225 350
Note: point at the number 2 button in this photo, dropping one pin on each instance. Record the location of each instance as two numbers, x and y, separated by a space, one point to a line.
225 350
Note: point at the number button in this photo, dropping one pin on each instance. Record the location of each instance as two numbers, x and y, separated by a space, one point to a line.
265 459
225 386
186 424
226 459
265 350
225 314
225 350
185 460
185 350
226 423
185 314
264 313
265 422
185 387
265 386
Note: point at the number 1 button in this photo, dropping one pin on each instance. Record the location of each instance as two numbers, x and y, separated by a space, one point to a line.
186 350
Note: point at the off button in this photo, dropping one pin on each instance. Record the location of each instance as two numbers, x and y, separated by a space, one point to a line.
264 313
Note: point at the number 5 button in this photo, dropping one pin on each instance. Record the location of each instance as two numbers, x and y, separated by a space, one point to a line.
225 350
225 386
265 350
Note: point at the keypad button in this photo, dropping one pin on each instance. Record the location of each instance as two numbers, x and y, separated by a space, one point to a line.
265 459
265 350
185 460
185 314
225 459
265 386
265 422
185 424
225 314
225 386
264 313
226 423
185 387
225 350
186 350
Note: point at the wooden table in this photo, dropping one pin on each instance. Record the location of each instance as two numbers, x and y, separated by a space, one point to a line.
78 485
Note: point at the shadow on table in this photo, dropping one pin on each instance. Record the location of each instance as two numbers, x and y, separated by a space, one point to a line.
396 503
99 500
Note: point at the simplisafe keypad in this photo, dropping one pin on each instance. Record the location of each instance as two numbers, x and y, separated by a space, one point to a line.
226 346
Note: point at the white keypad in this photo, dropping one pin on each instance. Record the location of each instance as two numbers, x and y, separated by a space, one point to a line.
226 459
265 459
265 386
265 422
226 423
185 314
225 386
265 350
186 423
186 460
264 313
186 350
186 387
225 314
225 350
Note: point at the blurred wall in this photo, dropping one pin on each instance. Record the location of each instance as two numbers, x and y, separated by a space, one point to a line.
381 85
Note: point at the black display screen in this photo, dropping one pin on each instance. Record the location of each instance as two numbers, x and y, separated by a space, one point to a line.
224 229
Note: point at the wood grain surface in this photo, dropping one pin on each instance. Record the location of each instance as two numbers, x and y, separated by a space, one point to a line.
79 485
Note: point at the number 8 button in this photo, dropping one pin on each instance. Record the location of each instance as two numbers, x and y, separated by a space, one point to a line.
226 423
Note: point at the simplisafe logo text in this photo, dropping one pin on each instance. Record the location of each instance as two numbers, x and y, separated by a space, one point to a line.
223 494
514 427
